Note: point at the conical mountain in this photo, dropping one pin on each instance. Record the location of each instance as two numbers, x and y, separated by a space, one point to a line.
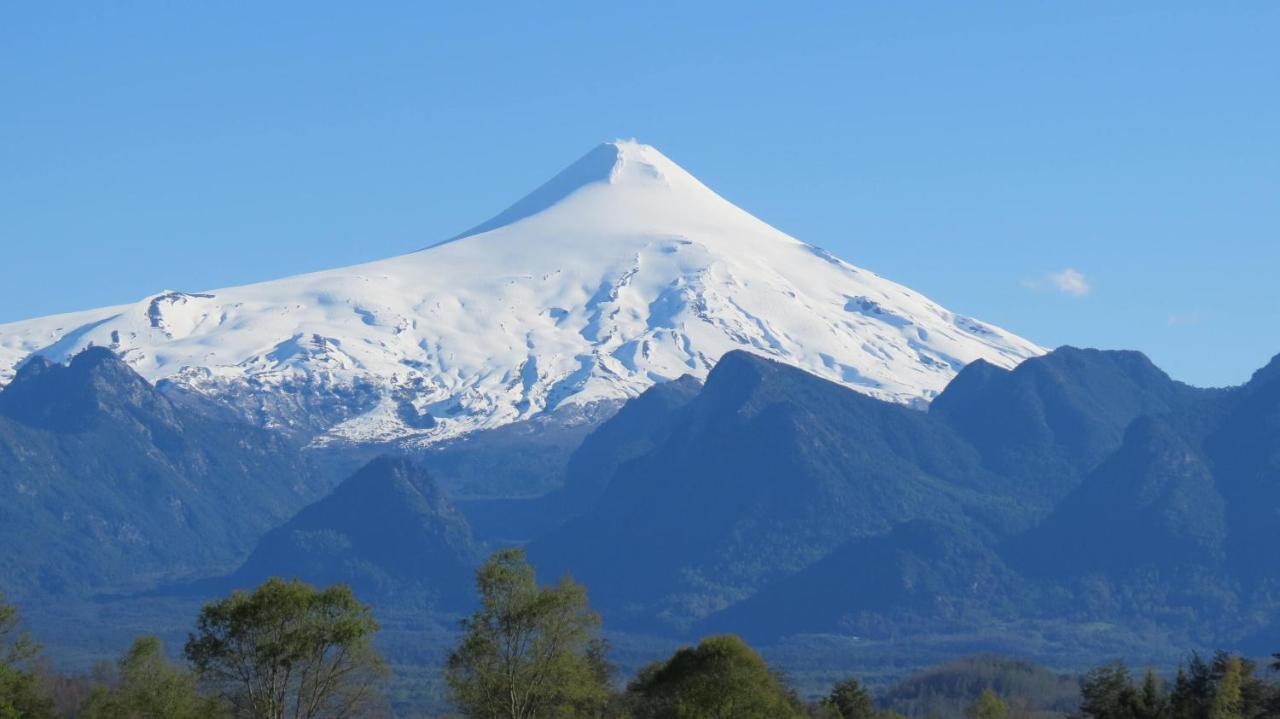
621 272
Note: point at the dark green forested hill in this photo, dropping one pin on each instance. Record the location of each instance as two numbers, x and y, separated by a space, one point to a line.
945 691
388 531
1084 485
767 470
638 427
108 485
1046 423
920 577
1178 519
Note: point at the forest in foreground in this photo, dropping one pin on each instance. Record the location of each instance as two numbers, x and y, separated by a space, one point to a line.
288 649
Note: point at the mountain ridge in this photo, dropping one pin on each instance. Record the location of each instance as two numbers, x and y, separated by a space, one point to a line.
106 484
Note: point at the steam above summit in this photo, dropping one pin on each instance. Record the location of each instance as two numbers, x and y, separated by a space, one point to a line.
621 271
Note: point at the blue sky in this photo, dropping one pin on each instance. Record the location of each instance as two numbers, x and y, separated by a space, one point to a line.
1096 174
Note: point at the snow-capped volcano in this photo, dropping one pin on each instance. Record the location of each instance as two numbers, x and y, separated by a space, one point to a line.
622 271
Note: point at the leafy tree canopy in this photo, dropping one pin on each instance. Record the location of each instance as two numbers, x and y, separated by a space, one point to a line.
528 651
988 705
721 678
148 686
21 696
289 650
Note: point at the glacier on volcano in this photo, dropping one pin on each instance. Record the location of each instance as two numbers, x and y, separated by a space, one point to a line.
622 271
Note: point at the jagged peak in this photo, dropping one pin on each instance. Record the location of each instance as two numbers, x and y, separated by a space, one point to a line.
1267 374
68 397
96 356
83 362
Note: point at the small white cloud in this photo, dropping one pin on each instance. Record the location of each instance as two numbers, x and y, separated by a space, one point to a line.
1068 282
1071 282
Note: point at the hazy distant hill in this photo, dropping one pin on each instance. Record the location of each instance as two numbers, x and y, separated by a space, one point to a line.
1179 519
1049 421
1085 484
387 530
765 471
107 484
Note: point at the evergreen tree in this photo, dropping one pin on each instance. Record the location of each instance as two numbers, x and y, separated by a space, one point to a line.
1151 701
1193 690
1256 696
1107 692
529 651
1228 701
1182 699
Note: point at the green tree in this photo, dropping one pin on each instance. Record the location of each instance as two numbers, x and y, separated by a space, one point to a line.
850 700
289 650
1107 692
1228 701
988 705
1192 691
1151 702
147 686
21 696
528 651
1273 700
1256 694
721 678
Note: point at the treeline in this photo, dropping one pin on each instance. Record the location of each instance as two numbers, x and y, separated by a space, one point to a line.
1225 687
290 650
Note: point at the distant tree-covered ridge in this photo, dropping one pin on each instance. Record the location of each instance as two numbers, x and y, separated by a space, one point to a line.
388 531
1083 484
288 650
108 485
1082 502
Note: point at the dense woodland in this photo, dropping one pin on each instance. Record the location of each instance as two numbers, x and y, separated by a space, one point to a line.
287 649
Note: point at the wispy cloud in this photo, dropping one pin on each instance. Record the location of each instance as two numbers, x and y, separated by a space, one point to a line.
1186 319
1068 281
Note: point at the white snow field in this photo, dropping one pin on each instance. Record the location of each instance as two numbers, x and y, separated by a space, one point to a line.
622 271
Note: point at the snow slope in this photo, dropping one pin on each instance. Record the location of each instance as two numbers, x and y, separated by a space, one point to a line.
622 271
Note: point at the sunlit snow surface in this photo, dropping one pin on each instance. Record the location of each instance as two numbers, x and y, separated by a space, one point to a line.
620 272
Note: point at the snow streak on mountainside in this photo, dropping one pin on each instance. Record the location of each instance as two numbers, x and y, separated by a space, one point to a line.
622 271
